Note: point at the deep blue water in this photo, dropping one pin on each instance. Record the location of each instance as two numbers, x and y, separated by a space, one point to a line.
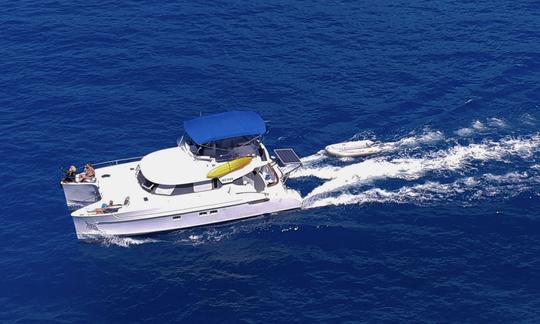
444 227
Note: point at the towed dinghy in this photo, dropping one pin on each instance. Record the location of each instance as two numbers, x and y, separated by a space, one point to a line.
353 149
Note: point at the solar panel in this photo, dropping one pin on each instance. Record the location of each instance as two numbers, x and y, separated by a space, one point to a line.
287 156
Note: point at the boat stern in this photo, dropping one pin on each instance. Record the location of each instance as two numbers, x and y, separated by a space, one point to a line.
79 194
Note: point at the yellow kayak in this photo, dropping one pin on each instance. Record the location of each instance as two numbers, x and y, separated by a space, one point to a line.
229 167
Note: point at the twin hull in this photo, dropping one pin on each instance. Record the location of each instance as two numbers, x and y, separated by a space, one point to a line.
80 194
137 224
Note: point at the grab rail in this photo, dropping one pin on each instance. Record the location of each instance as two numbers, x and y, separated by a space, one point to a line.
100 164
119 161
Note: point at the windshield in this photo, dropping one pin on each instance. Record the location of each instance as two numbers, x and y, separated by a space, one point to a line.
226 149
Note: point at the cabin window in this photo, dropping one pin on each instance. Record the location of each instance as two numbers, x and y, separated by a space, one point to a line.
145 183
195 187
203 186
164 189
171 190
216 184
183 189
224 150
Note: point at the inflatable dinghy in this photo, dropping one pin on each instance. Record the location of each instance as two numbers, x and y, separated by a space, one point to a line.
353 149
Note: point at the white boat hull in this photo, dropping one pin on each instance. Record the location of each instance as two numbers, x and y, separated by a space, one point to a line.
88 227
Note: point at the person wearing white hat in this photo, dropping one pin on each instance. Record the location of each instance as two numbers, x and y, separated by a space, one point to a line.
71 174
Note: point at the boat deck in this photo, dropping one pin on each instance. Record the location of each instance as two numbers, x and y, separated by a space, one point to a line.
117 182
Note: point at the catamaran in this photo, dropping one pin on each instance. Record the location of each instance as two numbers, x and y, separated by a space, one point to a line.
219 171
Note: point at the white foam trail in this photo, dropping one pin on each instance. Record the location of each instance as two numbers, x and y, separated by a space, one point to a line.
412 141
108 240
474 188
411 168
497 122
479 127
200 236
291 228
321 155
476 126
426 138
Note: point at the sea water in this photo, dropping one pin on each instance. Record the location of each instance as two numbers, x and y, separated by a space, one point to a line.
443 226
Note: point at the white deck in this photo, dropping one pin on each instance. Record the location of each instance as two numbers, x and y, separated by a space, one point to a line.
177 165
121 182
174 166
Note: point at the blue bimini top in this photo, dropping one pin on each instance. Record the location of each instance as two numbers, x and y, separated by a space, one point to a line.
224 125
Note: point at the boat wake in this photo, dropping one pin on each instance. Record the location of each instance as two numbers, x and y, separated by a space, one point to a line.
203 236
355 183
471 188
121 241
220 232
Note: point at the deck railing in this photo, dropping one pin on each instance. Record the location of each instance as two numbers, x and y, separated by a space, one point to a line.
115 162
101 165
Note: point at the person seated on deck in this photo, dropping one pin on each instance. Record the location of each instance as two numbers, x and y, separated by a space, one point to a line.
110 208
89 173
70 174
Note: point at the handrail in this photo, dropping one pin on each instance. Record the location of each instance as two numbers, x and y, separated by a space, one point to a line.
109 163
119 161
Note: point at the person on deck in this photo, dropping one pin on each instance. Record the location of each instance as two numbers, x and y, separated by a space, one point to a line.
89 173
105 208
71 174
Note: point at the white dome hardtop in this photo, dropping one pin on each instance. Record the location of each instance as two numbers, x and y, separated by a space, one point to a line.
174 166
